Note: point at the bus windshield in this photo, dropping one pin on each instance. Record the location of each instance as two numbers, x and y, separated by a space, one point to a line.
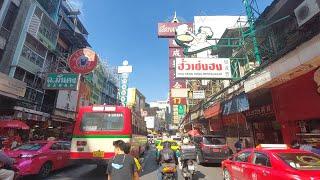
102 121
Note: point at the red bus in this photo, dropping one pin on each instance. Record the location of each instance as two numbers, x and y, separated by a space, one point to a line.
98 126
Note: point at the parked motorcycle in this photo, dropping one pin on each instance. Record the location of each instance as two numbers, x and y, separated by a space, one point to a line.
168 171
188 168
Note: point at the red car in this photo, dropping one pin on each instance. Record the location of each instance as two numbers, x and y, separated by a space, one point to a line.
41 157
272 161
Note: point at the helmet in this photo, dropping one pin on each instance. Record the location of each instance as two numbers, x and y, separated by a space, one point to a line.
186 141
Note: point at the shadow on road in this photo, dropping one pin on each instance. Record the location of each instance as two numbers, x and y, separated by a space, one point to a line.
211 164
199 175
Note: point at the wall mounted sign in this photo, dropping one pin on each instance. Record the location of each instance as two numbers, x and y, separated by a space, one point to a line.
203 68
83 61
67 81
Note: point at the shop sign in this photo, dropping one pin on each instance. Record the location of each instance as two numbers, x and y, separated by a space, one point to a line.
168 29
260 111
172 43
176 101
200 94
194 43
317 79
12 86
67 100
176 53
237 104
203 68
179 92
67 81
83 61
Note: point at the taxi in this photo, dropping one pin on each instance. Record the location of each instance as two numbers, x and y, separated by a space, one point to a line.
272 161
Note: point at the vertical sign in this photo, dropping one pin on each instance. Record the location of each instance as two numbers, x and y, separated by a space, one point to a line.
124 71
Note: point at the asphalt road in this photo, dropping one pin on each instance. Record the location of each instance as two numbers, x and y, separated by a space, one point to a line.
85 172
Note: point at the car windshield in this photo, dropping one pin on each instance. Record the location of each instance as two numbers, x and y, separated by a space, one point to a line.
301 161
214 140
102 121
30 147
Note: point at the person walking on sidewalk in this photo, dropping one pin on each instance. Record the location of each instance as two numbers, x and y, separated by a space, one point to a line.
122 166
238 145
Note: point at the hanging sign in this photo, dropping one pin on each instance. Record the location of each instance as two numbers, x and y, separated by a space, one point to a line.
83 61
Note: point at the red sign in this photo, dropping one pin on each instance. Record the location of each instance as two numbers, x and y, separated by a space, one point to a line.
176 53
177 101
83 61
260 111
168 30
172 43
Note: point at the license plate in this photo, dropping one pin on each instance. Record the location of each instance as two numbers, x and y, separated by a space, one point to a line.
98 154
191 167
216 150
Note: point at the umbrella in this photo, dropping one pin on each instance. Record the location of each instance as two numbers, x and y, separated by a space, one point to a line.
15 124
194 132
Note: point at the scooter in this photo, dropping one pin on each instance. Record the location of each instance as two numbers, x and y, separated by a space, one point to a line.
168 171
188 168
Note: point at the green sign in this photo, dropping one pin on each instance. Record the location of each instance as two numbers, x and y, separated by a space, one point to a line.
180 109
67 81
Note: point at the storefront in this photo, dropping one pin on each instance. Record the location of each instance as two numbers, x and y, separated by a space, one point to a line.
297 108
213 115
261 117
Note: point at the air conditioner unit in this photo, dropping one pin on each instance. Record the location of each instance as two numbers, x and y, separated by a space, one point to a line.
306 10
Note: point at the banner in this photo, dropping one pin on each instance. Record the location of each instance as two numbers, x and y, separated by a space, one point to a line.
203 68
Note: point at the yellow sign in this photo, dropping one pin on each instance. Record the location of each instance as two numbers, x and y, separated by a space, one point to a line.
98 154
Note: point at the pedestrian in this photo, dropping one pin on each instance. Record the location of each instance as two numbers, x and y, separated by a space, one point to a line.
122 166
238 145
137 163
5 161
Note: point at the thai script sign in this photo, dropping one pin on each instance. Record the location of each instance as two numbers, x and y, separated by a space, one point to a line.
203 68
83 61
260 111
12 86
168 29
200 94
67 81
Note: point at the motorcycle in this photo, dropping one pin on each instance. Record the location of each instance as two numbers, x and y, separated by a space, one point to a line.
188 169
168 171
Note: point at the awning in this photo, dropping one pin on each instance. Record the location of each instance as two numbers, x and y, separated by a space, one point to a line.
15 124
73 37
212 111
237 104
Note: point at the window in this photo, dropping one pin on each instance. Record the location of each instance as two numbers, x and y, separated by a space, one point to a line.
56 146
214 140
102 121
261 159
10 17
301 161
243 157
30 146
19 74
66 145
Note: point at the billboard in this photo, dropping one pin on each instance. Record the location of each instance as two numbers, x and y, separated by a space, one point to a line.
168 29
203 68
150 121
179 92
67 100
67 81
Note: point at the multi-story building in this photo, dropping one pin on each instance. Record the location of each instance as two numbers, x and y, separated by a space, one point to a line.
36 38
136 101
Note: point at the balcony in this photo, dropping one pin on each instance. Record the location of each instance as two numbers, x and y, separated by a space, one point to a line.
32 56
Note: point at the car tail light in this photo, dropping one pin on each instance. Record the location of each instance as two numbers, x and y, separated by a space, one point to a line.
81 143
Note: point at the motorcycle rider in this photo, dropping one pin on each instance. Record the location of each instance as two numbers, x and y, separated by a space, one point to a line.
167 151
5 161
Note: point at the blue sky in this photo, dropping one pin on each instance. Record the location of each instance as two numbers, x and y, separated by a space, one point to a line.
127 29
